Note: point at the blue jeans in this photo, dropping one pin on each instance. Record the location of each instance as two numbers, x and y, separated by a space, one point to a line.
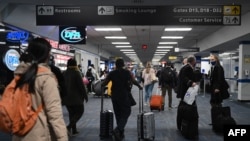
148 91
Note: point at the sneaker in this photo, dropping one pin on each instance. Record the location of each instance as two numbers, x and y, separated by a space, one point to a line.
75 133
117 135
69 132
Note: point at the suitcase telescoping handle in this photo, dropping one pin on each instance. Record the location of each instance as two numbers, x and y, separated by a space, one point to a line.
101 99
140 101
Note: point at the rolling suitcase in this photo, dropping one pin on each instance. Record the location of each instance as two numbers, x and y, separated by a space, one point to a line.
106 122
156 101
145 122
221 116
187 120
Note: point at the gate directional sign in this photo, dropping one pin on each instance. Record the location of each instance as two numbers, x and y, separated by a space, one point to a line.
138 15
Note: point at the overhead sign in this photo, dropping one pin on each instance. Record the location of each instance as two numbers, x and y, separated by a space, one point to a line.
192 49
139 15
72 35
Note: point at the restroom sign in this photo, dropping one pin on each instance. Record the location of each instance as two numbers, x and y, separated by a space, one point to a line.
45 10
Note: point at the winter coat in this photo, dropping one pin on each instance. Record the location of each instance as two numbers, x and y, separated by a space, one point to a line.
50 125
186 78
76 91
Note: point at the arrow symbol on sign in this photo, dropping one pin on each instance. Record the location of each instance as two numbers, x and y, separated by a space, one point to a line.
41 10
235 10
102 10
235 20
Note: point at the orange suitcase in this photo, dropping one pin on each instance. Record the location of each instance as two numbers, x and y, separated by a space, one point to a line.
156 101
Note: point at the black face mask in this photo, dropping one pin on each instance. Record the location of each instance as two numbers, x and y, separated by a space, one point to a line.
213 63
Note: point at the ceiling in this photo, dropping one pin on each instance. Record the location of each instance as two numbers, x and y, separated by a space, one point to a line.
137 35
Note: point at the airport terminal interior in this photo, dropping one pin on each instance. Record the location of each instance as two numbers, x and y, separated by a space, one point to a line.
100 31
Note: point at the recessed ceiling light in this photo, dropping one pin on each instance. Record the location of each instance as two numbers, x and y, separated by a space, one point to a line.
177 29
121 43
162 50
115 37
130 52
164 46
127 50
172 37
123 46
108 29
169 43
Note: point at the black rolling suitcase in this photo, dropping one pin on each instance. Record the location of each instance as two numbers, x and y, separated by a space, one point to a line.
221 116
187 120
145 122
106 122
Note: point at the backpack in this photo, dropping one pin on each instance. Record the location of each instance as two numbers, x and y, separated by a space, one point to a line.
167 75
17 114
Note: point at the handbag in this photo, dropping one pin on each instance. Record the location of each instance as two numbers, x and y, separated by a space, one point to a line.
85 80
225 94
154 78
191 94
131 99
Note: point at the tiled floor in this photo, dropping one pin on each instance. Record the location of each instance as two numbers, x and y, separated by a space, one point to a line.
165 121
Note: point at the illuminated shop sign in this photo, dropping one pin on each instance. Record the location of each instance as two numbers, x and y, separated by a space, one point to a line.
72 35
56 45
11 59
17 36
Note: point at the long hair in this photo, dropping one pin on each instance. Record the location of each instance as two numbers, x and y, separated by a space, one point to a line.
148 67
217 60
38 51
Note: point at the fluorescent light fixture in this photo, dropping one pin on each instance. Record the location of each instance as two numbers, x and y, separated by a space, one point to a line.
123 46
115 37
158 54
121 43
130 54
167 43
177 29
172 37
162 50
127 50
155 60
108 29
2 30
164 46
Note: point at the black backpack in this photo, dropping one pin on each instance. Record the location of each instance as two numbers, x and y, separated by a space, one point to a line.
167 75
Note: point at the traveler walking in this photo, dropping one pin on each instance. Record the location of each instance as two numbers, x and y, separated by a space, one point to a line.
50 124
76 94
121 79
148 75
167 82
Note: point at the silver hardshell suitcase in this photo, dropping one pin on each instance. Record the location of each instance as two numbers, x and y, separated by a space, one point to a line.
145 122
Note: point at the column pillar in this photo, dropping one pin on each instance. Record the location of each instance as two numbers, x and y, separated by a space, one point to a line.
244 68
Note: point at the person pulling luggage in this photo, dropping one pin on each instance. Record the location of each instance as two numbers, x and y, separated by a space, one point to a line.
120 89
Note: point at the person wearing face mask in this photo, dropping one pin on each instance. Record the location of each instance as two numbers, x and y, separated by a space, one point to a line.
217 81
